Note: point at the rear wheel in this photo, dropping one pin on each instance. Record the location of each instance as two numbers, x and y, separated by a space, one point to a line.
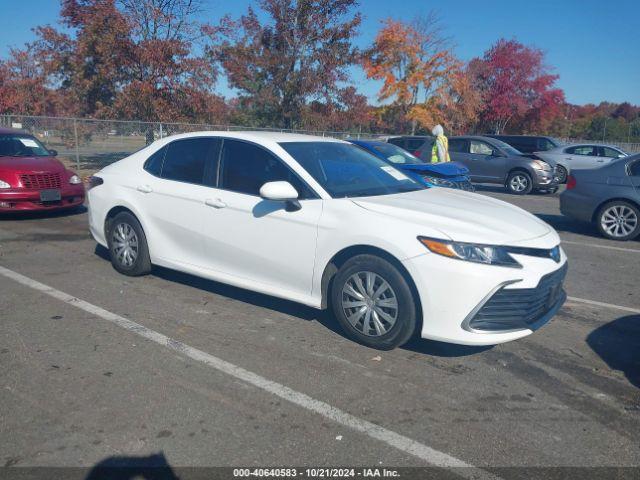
519 183
619 220
128 245
373 302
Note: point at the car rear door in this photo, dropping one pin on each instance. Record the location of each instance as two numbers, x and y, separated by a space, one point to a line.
583 156
459 152
171 197
259 240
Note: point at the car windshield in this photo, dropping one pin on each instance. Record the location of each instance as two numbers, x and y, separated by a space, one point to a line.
395 154
16 145
508 149
345 170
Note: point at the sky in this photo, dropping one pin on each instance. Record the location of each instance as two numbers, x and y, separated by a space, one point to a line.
593 45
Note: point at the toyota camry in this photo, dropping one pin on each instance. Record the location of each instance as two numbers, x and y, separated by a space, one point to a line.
325 223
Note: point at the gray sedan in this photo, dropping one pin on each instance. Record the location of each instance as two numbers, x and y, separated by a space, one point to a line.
492 161
608 196
584 155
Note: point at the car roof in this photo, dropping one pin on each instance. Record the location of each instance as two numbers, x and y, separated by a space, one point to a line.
257 136
6 131
471 137
497 135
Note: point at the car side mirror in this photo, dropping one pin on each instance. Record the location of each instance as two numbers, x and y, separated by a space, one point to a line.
281 192
497 153
53 153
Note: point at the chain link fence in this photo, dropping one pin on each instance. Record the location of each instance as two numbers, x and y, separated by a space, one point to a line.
87 145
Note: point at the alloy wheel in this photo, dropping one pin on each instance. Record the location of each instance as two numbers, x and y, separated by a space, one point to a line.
619 221
125 244
369 303
519 183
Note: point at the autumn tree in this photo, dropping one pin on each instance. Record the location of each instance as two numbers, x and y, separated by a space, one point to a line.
294 52
415 63
460 102
515 83
24 85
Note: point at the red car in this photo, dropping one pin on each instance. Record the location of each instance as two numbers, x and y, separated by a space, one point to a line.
31 178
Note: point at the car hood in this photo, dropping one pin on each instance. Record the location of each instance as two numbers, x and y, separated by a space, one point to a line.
460 215
31 164
447 169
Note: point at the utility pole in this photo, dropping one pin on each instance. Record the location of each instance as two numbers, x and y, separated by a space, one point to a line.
604 129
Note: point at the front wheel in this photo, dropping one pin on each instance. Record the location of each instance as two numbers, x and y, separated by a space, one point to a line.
519 183
619 220
128 245
373 302
561 174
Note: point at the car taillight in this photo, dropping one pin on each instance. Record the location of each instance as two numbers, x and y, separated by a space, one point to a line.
571 182
94 182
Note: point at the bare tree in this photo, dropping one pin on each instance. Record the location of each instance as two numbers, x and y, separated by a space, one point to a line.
164 19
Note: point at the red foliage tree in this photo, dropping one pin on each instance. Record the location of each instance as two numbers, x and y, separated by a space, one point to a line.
515 84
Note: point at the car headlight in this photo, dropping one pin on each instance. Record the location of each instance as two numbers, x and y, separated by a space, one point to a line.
541 165
75 180
4 184
438 181
471 252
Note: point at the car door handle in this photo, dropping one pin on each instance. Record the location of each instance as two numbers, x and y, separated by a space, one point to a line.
568 158
144 188
216 203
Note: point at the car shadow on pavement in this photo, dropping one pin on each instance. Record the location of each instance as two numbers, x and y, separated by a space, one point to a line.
152 467
303 312
618 344
565 224
434 348
43 215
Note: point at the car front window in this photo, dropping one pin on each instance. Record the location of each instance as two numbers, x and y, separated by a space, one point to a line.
396 154
345 170
12 145
508 149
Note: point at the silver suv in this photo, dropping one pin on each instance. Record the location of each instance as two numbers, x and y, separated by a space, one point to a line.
492 161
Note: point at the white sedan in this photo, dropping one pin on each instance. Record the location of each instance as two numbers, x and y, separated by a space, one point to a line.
322 222
580 156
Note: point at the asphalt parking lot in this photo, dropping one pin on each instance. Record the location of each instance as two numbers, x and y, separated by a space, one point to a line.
223 377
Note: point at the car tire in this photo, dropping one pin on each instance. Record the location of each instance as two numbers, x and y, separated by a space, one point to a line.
619 220
562 174
390 311
128 245
519 183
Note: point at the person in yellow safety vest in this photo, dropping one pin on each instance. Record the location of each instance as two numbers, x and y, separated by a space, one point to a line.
440 150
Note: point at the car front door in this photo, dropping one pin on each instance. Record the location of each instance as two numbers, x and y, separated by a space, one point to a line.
488 165
608 154
634 175
171 195
266 242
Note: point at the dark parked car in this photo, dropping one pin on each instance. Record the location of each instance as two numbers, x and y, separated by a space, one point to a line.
449 174
528 144
492 161
418 145
608 196
31 178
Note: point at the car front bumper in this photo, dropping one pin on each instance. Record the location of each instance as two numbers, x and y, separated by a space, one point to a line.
460 299
545 179
20 199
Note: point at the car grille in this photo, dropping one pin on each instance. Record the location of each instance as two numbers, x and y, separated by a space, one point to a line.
41 181
518 308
